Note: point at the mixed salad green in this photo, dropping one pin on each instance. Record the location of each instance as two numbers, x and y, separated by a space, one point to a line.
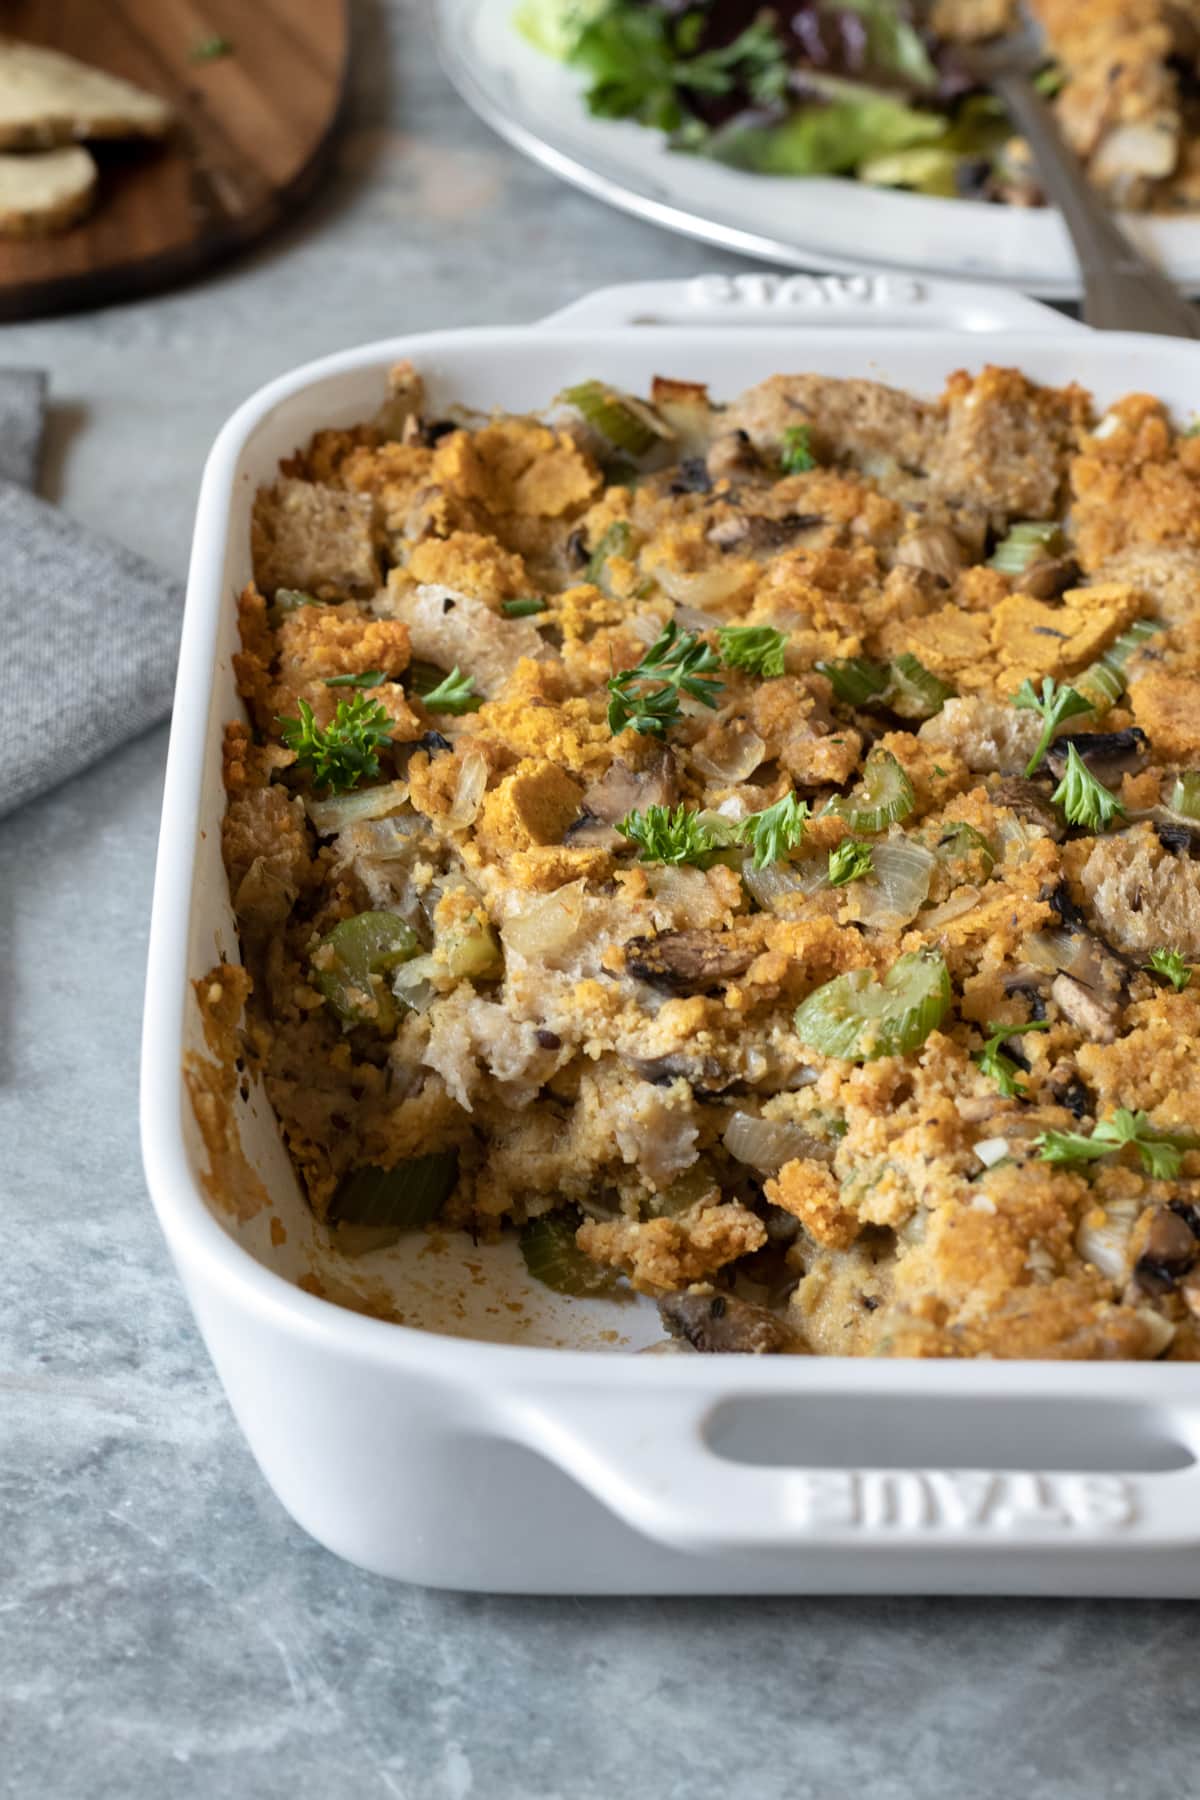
819 88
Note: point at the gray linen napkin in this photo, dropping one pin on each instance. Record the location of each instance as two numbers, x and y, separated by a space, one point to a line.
90 631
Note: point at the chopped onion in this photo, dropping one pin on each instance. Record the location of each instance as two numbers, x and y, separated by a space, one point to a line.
468 795
990 1151
1161 1330
782 882
960 902
549 928
730 753
902 872
645 627
690 618
700 587
413 983
1056 952
382 840
332 816
766 1144
1106 1245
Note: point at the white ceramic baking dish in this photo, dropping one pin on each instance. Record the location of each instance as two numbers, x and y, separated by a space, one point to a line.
482 1447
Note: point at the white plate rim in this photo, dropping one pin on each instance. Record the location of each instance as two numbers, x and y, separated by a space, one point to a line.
815 223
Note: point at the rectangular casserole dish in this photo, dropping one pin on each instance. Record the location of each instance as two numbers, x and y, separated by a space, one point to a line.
502 1450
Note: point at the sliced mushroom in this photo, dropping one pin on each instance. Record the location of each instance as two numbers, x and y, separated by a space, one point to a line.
758 535
716 1323
1096 1015
1029 802
732 457
691 477
1169 1250
1108 754
1068 1090
691 962
623 789
933 549
707 1074
1050 576
1180 840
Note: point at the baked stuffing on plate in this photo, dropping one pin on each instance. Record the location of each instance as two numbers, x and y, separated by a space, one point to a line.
747 849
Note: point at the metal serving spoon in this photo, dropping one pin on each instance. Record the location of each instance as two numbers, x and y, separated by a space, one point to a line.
1122 291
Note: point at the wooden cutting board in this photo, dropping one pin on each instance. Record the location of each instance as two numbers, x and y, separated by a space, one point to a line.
252 134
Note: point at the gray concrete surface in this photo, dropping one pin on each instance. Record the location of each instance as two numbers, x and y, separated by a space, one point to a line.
165 1630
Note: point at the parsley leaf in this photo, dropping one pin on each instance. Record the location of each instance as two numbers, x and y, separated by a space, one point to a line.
1001 1068
522 609
678 834
1085 800
210 49
795 452
455 694
1161 1152
756 648
850 860
770 834
342 753
647 697
1055 705
1171 966
370 678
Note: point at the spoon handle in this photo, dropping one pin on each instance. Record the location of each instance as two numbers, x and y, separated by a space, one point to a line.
1122 291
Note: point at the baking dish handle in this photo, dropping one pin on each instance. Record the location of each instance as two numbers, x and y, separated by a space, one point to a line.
788 299
655 1468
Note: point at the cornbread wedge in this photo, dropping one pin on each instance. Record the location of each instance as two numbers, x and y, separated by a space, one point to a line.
48 98
45 191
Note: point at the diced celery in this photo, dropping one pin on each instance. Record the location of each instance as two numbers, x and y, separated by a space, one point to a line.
1026 543
883 796
859 1018
358 953
554 1258
402 1198
623 422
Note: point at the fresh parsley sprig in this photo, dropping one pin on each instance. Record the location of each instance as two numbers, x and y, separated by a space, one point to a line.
666 834
795 452
344 752
1085 800
1002 1069
1161 1152
1055 704
770 834
456 694
647 697
756 648
1171 966
850 860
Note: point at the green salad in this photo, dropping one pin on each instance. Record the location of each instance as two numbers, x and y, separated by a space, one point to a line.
856 87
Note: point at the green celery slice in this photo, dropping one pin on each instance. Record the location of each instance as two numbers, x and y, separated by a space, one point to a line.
1026 543
1103 682
625 423
1185 795
402 1198
915 692
883 796
365 948
857 1018
958 841
554 1258
854 680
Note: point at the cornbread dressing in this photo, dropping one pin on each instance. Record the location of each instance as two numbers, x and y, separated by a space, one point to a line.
551 1020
